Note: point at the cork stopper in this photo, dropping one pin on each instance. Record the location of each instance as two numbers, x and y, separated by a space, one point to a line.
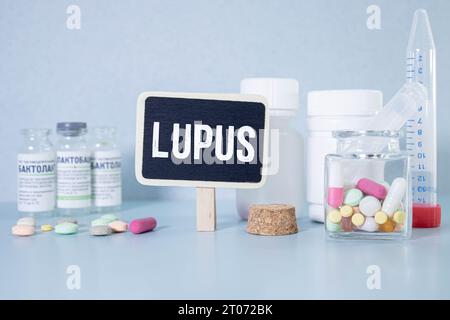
272 220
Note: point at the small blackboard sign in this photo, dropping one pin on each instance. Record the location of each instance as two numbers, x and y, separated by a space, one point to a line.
201 140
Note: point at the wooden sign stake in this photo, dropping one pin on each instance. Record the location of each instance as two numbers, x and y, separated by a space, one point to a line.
206 209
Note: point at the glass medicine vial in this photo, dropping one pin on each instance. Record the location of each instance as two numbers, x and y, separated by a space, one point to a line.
73 169
36 174
106 170
356 204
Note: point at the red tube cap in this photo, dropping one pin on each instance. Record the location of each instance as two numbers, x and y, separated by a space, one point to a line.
425 216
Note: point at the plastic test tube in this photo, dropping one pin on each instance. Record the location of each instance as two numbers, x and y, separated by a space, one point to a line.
421 129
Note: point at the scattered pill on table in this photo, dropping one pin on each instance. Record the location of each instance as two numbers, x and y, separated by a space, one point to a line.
46 227
100 230
22 230
100 222
66 228
109 217
142 225
118 226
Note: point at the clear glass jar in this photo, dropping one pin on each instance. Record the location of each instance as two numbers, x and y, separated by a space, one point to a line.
73 169
106 170
36 174
358 205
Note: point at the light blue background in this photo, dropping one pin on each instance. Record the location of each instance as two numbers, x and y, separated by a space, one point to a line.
49 73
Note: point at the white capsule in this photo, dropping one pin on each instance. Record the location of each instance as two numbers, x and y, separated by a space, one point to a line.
369 225
393 200
335 178
369 206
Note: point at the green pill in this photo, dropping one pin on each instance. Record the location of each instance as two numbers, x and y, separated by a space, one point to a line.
333 227
100 222
353 197
109 217
66 228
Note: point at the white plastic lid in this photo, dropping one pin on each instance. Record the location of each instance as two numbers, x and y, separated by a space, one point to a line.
281 93
333 103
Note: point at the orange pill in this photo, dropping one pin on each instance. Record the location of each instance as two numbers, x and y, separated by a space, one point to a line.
388 226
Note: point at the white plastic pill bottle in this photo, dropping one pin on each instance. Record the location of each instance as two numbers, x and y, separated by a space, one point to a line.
106 170
328 111
36 174
285 181
73 169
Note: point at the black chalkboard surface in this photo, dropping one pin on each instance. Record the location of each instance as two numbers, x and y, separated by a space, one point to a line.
201 140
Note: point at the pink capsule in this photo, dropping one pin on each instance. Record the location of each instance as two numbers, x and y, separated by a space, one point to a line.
335 197
142 225
372 188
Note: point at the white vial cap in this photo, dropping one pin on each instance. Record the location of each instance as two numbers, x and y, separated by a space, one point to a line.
344 102
281 93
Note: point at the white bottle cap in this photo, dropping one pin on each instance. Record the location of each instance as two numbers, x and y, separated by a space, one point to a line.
344 102
281 93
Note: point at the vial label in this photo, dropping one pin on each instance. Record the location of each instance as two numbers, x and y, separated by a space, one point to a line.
73 179
106 178
36 182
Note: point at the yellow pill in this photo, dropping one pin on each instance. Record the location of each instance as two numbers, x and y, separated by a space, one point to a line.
346 211
334 216
46 227
381 217
399 217
358 219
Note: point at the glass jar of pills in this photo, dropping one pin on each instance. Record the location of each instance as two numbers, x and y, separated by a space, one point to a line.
359 204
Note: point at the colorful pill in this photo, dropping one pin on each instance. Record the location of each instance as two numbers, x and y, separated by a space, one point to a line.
66 228
142 225
335 197
369 206
399 217
346 224
333 227
389 226
369 225
22 230
346 211
381 217
99 222
27 221
372 188
335 184
109 217
353 197
393 200
100 230
358 219
118 226
334 216
46 227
